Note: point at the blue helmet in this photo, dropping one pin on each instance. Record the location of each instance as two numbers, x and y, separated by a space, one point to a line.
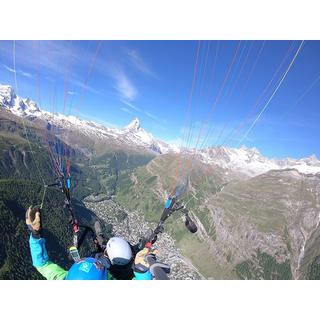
87 269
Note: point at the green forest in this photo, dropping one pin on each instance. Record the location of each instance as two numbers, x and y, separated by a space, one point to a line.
15 258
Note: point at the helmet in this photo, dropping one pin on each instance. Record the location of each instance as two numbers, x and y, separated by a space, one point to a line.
119 251
87 269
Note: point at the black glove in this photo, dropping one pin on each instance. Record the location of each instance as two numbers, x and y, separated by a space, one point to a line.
100 238
105 261
33 221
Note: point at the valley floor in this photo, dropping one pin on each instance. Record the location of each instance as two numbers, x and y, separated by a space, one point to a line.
132 226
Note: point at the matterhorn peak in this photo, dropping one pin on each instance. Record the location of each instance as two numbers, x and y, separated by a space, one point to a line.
134 125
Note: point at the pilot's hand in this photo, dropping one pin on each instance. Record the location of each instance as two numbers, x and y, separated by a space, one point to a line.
33 221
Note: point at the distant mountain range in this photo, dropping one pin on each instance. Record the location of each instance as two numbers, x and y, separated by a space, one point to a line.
132 134
247 161
251 162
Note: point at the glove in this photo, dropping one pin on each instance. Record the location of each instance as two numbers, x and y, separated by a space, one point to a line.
159 270
105 261
33 222
141 264
100 238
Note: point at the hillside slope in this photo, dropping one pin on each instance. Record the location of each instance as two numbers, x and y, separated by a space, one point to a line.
262 227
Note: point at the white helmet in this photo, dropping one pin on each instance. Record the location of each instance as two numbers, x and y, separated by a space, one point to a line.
119 251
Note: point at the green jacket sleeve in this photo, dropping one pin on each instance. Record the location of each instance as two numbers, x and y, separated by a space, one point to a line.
52 271
40 260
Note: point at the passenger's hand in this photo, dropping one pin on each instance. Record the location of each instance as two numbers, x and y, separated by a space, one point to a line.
33 221
140 262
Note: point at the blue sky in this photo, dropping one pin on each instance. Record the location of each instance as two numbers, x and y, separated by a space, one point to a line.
229 83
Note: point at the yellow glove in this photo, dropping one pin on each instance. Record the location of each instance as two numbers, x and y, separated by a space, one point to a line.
140 262
33 221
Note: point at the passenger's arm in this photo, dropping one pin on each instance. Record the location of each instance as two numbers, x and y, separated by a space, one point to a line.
40 260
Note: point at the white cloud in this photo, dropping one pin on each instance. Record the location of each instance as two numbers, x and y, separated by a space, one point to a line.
71 93
123 85
148 114
83 86
153 117
23 73
131 105
125 110
138 63
52 58
9 69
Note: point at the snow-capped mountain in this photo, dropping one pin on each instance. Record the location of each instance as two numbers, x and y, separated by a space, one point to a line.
251 162
17 105
132 134
243 160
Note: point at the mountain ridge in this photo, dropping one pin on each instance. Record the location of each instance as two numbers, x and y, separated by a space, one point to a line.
131 134
247 161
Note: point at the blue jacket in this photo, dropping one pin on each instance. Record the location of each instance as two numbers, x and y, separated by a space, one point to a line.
52 271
